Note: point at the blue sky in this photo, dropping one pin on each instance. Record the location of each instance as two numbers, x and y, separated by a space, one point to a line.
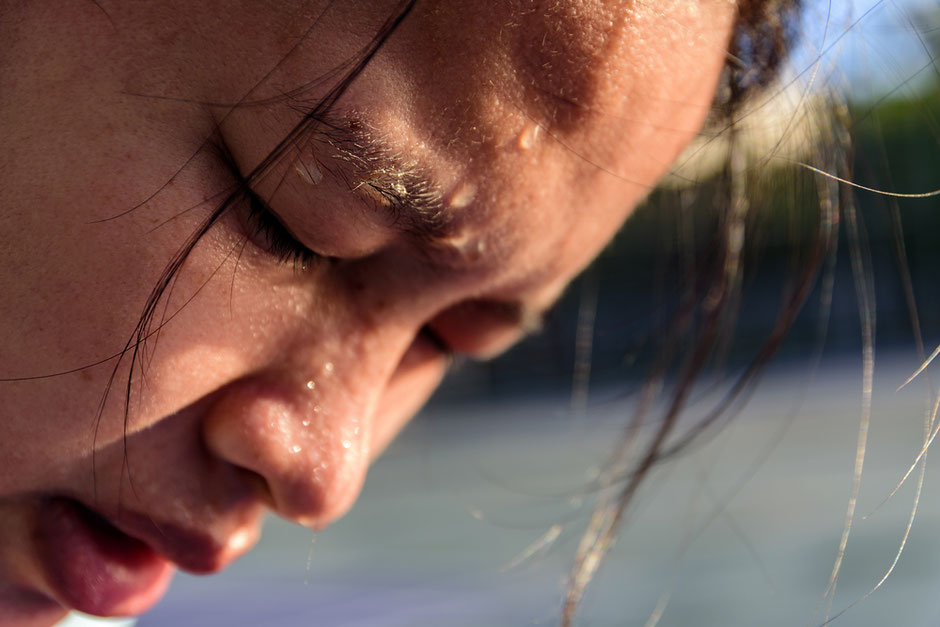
871 45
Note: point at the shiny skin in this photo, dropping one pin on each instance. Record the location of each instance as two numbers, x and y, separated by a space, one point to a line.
540 125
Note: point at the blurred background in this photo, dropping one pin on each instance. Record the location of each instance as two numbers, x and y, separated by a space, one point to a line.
473 516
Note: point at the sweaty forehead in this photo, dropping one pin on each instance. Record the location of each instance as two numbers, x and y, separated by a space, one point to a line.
613 88
559 64
557 51
541 59
546 55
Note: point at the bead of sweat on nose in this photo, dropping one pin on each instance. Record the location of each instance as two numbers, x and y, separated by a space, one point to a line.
308 446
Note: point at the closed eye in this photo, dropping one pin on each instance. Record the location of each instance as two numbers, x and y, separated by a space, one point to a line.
273 236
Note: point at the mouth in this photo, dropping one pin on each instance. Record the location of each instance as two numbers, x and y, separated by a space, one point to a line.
121 565
94 568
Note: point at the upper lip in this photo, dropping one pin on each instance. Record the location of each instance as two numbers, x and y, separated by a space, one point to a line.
192 549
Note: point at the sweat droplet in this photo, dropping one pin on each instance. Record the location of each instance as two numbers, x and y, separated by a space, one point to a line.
310 174
347 444
311 385
296 448
305 422
328 367
462 196
476 251
529 136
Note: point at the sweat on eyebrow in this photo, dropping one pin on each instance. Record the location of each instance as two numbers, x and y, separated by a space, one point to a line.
395 184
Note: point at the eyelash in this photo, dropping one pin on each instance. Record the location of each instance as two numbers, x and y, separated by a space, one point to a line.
279 241
275 237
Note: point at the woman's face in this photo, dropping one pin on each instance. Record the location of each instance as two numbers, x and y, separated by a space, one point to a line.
482 158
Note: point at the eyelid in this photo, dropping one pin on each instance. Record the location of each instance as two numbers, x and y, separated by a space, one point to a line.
279 240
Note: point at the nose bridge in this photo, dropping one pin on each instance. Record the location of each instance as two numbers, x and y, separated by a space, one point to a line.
360 317
386 300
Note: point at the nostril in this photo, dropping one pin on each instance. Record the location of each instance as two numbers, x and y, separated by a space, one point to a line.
438 342
482 328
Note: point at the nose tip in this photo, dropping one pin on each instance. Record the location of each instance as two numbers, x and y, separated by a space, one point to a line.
312 458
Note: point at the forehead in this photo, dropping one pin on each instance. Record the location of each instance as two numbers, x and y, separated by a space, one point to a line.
557 60
541 100
537 124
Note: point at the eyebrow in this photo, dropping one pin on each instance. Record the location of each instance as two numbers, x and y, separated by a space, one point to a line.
407 194
394 184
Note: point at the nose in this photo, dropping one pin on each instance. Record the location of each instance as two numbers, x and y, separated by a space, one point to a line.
308 421
483 328
308 418
309 457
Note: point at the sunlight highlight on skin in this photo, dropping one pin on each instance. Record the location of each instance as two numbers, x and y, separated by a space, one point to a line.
390 184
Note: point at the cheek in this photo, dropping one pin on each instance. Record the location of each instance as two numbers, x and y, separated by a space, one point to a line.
419 372
216 316
74 288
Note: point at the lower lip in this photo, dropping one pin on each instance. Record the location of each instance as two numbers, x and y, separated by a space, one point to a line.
93 567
